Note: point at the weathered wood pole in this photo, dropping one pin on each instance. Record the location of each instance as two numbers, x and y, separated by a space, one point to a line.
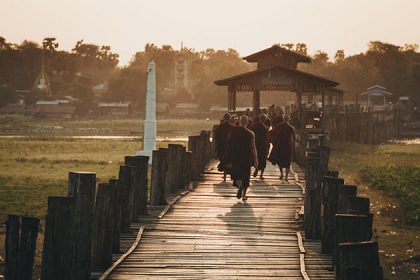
27 246
174 167
12 247
355 205
81 186
158 180
188 166
116 208
103 221
126 179
312 217
358 260
351 228
329 209
183 178
141 163
58 255
193 146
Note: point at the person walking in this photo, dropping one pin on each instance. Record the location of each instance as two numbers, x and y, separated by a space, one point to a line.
262 143
282 136
222 134
242 155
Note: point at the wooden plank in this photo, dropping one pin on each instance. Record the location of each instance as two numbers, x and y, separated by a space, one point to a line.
209 234
122 258
167 207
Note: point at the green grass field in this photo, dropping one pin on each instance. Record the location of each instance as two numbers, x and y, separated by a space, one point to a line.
106 125
390 176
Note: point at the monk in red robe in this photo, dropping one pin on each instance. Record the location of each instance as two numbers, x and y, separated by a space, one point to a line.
282 136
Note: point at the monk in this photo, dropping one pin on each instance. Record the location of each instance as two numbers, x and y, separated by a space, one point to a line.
242 155
282 136
261 142
222 134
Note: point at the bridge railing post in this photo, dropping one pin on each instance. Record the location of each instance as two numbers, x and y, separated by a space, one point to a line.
103 230
21 235
59 254
158 187
82 186
141 164
116 213
126 182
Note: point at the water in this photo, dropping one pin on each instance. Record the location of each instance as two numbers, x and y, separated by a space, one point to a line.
415 141
107 137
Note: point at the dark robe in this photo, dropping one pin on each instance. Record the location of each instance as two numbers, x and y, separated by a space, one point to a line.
222 135
281 138
262 143
240 154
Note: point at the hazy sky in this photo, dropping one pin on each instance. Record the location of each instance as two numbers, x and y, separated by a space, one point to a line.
247 26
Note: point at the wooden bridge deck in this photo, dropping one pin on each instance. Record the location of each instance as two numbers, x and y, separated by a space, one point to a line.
210 234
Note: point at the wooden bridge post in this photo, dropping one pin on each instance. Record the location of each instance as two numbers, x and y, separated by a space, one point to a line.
141 164
58 255
351 228
184 178
116 208
355 205
126 179
193 146
173 172
358 260
27 246
103 221
188 167
329 209
312 218
82 187
158 181
12 247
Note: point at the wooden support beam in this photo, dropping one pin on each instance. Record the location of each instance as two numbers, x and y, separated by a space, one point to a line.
158 181
256 102
59 251
82 186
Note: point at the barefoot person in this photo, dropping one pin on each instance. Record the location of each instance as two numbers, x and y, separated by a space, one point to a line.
282 136
242 154
261 142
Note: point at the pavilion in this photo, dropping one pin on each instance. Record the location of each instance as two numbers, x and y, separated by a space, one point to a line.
277 71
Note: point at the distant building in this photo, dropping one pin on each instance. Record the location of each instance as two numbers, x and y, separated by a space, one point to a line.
162 109
52 109
13 108
114 108
185 109
376 96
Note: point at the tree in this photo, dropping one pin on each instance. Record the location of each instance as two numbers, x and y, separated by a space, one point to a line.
7 95
339 56
301 48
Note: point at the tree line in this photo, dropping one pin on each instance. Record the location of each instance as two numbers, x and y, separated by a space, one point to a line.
75 72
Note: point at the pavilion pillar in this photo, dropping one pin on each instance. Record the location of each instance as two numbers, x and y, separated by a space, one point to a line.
299 106
229 101
330 100
310 99
323 106
256 102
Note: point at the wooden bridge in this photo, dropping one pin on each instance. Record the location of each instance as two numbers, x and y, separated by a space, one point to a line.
209 234
192 226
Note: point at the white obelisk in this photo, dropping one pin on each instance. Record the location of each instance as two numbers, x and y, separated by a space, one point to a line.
149 132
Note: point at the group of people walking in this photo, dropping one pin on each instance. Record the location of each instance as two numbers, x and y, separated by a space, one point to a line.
242 144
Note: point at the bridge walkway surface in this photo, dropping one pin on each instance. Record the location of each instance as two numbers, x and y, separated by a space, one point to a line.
208 233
